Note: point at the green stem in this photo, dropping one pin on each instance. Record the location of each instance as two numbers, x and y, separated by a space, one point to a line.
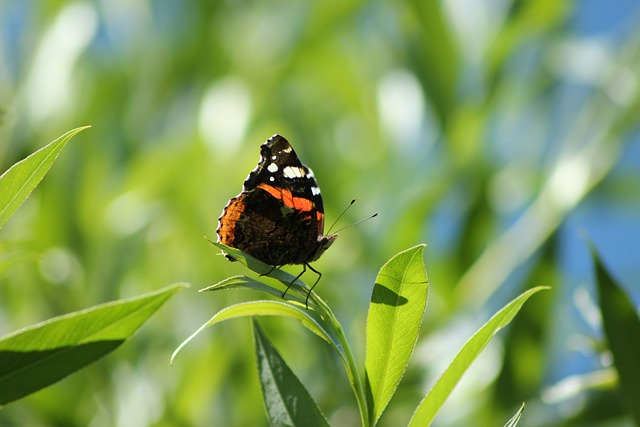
347 357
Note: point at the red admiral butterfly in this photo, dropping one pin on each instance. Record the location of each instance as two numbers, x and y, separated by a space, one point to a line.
278 217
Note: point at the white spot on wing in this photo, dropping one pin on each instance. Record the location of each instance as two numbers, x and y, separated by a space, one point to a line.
273 168
293 172
271 179
315 191
287 150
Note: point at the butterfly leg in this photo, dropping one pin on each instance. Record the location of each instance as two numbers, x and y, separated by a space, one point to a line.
273 267
294 280
306 301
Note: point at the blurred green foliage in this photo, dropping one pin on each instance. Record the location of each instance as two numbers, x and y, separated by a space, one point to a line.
490 130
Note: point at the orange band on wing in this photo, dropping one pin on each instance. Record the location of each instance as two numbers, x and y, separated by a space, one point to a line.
320 218
227 223
297 203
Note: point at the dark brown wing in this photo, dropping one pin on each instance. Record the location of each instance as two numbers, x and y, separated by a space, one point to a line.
278 218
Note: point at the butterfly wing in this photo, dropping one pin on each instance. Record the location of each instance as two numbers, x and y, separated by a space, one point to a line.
279 216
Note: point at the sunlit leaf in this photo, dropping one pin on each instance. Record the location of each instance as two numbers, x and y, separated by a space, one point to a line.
287 401
622 330
513 421
395 315
254 264
244 282
433 401
20 179
244 258
268 308
42 354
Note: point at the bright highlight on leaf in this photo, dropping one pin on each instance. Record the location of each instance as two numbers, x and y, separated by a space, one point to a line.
40 355
266 308
513 421
20 179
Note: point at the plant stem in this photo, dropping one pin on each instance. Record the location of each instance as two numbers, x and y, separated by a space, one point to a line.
347 357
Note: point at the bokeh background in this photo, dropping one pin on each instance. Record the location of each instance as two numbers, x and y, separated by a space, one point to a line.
502 133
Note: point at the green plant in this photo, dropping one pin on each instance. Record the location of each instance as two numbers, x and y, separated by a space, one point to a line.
621 327
397 305
40 355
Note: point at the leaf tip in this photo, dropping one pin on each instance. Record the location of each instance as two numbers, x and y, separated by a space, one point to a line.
175 287
173 356
177 350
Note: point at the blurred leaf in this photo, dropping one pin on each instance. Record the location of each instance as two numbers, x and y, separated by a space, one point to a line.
572 386
287 401
43 354
395 315
527 21
436 57
513 421
269 308
622 330
20 179
433 401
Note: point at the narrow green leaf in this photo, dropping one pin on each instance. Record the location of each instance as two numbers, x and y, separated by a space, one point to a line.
433 401
244 282
42 354
622 330
287 401
20 179
513 421
243 258
264 269
395 315
240 281
269 308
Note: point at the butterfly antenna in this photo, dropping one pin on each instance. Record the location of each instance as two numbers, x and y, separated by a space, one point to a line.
340 216
356 223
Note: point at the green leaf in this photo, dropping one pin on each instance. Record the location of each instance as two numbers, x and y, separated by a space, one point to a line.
243 258
287 401
622 330
269 308
395 315
244 282
264 269
19 181
433 401
513 421
42 354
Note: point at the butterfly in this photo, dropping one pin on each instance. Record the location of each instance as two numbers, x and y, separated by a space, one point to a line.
278 217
